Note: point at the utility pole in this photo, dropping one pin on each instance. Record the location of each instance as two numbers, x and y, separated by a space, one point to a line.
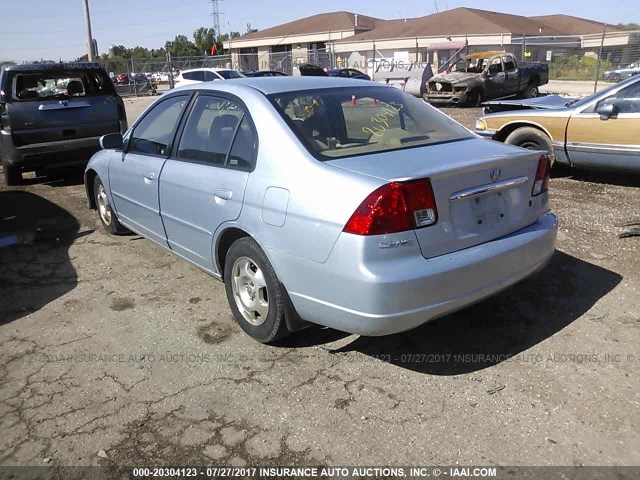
87 21
216 18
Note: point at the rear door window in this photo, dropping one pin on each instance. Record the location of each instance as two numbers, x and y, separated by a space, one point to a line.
218 132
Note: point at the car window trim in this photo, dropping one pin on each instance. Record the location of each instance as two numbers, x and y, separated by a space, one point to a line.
245 114
128 136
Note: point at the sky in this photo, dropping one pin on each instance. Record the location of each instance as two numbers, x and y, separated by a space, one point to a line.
35 29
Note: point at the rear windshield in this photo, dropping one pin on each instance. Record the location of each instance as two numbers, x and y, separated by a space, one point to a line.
340 122
35 85
227 74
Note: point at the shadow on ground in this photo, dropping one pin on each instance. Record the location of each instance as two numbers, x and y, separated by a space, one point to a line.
491 331
609 178
60 177
34 264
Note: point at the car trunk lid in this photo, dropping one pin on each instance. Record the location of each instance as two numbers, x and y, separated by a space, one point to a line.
40 121
482 189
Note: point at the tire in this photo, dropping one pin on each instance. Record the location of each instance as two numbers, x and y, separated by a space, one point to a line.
531 91
474 99
107 216
12 174
255 295
533 139
615 77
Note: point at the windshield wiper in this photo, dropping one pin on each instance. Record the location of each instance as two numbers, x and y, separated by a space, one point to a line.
415 138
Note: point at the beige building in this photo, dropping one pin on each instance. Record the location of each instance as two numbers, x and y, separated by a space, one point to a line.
345 39
284 46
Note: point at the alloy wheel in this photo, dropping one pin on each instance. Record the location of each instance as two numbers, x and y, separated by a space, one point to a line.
250 291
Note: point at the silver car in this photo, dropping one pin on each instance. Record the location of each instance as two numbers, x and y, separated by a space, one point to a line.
330 201
622 73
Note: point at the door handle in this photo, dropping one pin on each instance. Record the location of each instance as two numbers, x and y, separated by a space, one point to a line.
223 194
149 176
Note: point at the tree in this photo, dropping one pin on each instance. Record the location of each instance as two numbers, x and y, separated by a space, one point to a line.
203 39
629 26
250 29
225 38
118 50
181 46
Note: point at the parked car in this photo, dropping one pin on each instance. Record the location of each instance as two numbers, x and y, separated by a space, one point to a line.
481 76
121 78
348 73
310 70
263 73
333 201
197 75
53 115
622 73
410 77
599 131
160 77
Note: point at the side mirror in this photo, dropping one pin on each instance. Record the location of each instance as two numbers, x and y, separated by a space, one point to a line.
111 141
607 110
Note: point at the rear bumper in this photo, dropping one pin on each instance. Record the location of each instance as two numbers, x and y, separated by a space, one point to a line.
353 295
49 154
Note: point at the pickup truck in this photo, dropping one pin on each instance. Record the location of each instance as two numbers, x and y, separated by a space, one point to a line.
53 115
481 76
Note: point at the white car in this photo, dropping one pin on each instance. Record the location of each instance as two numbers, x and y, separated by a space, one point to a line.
198 75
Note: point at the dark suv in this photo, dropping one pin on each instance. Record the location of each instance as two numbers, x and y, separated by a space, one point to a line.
53 115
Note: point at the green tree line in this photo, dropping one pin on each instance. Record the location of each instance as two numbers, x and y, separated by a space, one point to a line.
181 46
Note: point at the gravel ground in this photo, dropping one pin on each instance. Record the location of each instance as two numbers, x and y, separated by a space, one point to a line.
114 352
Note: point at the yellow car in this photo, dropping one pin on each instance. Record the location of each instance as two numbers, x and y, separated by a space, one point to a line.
600 131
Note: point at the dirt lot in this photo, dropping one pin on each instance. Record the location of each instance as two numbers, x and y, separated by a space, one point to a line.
115 352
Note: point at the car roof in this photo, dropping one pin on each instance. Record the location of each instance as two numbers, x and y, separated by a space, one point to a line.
209 69
269 85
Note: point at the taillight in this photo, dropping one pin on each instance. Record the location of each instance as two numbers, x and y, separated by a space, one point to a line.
395 207
3 113
543 173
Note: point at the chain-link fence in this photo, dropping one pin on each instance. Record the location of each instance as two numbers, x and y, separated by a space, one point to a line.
607 57
130 73
610 56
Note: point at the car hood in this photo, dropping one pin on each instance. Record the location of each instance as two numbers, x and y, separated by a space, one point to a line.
454 77
547 102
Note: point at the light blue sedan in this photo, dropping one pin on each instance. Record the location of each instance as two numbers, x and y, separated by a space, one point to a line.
336 202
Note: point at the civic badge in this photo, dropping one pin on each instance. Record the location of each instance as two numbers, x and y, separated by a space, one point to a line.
495 174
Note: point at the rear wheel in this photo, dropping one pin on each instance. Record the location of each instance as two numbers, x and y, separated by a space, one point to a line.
254 293
12 174
533 139
107 216
531 91
615 77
